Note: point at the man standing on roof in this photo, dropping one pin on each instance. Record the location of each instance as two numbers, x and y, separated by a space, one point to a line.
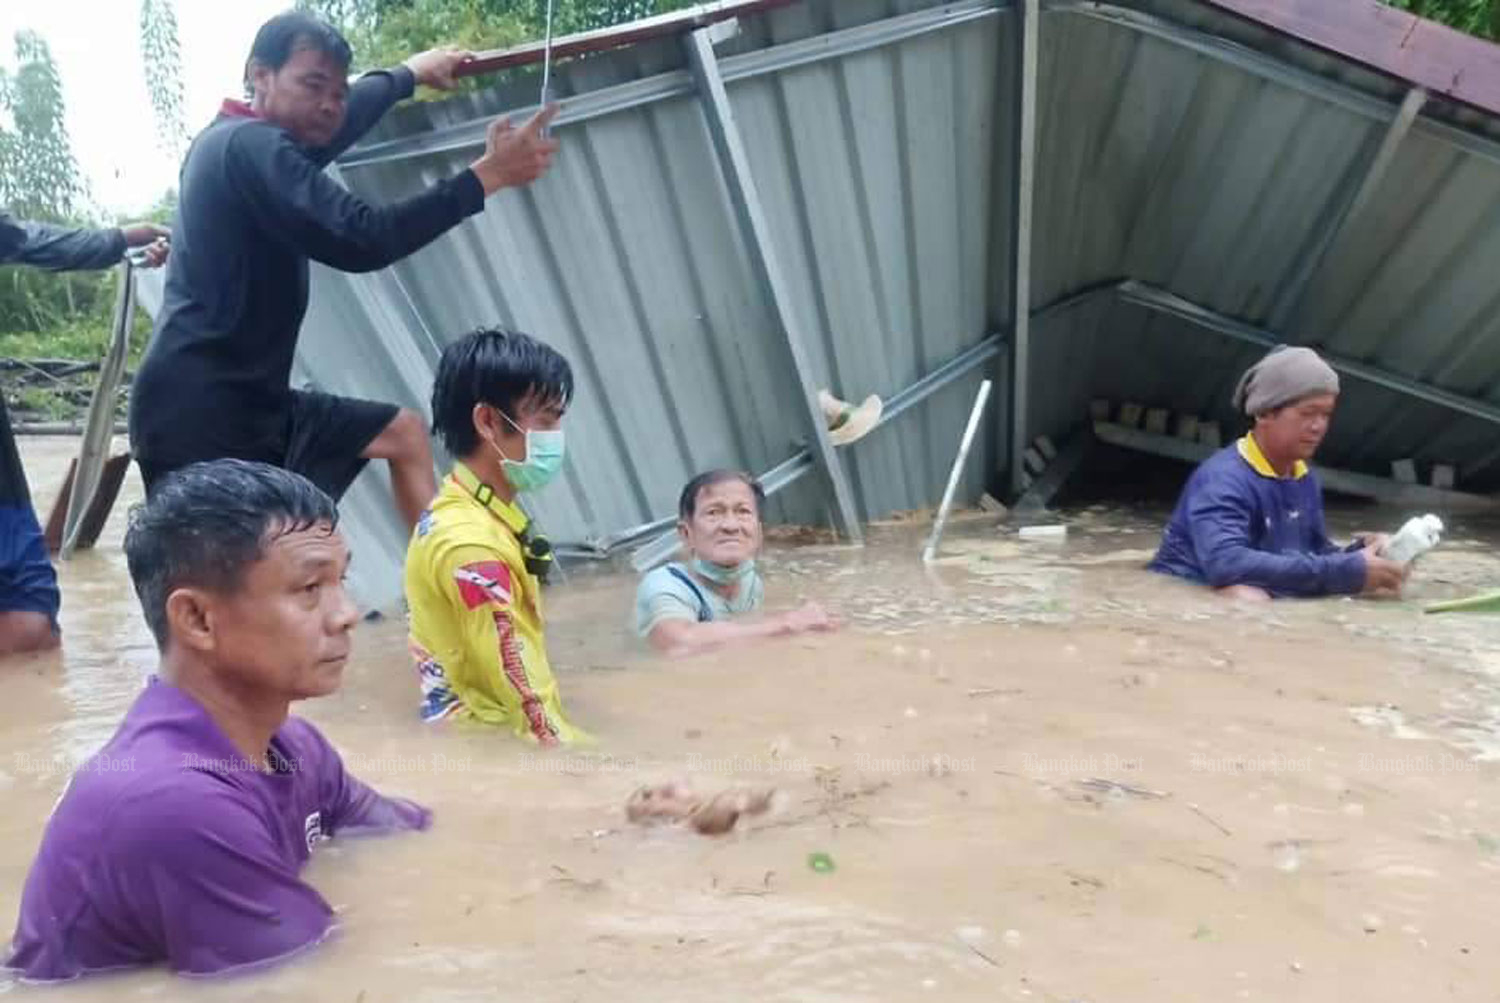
29 599
254 206
1250 521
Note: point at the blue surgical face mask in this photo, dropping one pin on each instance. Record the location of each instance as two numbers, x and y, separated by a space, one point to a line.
544 457
721 575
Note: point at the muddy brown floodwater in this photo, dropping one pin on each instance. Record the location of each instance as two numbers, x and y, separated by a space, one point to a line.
1040 774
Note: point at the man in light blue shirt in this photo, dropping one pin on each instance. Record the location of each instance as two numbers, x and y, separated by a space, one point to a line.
713 599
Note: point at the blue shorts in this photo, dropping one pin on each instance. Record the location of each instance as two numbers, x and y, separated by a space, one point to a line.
27 581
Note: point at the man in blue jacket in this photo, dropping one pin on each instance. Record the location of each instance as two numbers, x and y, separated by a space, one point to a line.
254 206
1250 521
29 598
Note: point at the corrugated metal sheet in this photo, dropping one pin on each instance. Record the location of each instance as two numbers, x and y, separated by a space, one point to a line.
1208 171
1177 145
877 170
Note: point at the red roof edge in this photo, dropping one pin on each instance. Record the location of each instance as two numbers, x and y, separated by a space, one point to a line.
1440 59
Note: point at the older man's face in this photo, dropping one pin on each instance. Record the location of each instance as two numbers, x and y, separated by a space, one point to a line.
286 631
1297 430
725 527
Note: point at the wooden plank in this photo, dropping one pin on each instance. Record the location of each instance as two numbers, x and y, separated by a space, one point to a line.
1425 53
1046 487
1378 489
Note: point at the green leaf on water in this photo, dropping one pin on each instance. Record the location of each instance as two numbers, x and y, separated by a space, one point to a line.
1202 933
1487 843
820 862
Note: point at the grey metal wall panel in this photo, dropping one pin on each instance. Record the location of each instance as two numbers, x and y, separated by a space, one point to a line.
877 172
1176 145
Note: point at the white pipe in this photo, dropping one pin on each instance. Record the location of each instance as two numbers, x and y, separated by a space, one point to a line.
958 464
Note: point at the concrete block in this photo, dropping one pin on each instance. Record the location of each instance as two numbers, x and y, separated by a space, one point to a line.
1130 415
1404 471
1209 434
1187 427
1443 476
1156 420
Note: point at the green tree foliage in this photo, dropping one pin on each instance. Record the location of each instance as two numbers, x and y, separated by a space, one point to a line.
384 32
40 179
161 56
1477 17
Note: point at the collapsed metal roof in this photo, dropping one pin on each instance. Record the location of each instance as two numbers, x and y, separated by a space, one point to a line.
829 197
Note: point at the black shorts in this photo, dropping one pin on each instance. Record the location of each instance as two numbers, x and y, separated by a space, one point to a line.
324 438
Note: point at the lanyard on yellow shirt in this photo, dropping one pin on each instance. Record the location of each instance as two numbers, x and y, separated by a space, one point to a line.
537 550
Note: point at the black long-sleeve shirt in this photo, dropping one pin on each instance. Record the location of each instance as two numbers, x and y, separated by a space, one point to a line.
57 248
253 207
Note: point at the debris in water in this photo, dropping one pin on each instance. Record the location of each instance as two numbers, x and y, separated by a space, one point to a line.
1202 933
1371 922
1114 786
820 862
1286 856
1012 938
1209 818
970 935
676 802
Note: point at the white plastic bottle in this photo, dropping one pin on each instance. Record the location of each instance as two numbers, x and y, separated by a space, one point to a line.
1419 535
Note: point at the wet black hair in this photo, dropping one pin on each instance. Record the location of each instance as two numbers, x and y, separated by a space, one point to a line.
497 367
204 525
279 37
688 503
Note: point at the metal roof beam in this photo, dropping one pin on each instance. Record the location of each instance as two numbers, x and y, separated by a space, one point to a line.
1161 301
1285 313
1267 67
755 228
679 83
791 469
1027 41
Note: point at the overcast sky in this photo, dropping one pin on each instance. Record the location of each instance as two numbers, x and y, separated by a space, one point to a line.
97 48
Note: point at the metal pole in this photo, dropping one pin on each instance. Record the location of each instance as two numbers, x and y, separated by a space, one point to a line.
1153 298
734 161
1284 314
785 473
1029 14
930 551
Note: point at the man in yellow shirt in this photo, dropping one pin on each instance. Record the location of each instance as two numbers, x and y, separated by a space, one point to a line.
474 568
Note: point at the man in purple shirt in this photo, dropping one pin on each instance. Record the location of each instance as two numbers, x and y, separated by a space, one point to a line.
182 839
